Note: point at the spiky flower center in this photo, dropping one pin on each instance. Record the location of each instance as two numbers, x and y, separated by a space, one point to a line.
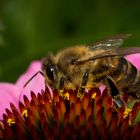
92 117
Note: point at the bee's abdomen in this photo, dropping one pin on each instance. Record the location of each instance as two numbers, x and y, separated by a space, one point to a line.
127 77
134 88
129 73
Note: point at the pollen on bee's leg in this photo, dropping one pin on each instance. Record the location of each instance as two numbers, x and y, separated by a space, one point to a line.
88 86
80 96
80 92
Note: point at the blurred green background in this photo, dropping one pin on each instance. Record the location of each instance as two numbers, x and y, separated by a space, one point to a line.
29 29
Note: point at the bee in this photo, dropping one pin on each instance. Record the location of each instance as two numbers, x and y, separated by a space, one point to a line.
95 64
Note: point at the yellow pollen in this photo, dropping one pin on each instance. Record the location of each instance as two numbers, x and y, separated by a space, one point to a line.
66 96
25 113
88 86
10 121
126 112
80 95
94 95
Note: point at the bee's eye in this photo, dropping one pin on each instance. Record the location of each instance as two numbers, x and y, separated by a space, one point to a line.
51 72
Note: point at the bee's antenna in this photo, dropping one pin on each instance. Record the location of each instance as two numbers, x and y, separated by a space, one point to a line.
39 72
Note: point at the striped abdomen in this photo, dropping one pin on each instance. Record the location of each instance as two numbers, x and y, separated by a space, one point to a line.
127 77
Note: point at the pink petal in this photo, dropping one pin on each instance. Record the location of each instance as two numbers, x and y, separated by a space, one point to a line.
134 59
8 93
36 84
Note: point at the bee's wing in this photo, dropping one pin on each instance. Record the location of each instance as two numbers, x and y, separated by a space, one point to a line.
111 53
107 47
110 43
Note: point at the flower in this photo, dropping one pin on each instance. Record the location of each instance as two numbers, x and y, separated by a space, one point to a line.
8 93
35 85
33 113
134 59
13 93
44 117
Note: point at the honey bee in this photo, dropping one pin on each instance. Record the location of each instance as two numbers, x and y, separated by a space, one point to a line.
96 64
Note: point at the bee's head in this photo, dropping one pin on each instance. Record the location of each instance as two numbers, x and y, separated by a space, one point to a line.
50 71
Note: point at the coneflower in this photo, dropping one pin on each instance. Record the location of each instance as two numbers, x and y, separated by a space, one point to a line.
92 117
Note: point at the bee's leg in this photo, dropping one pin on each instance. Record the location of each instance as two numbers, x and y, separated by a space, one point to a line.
61 84
81 89
117 100
115 93
62 93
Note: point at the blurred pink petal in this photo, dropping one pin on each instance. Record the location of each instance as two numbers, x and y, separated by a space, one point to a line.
36 84
134 59
9 93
